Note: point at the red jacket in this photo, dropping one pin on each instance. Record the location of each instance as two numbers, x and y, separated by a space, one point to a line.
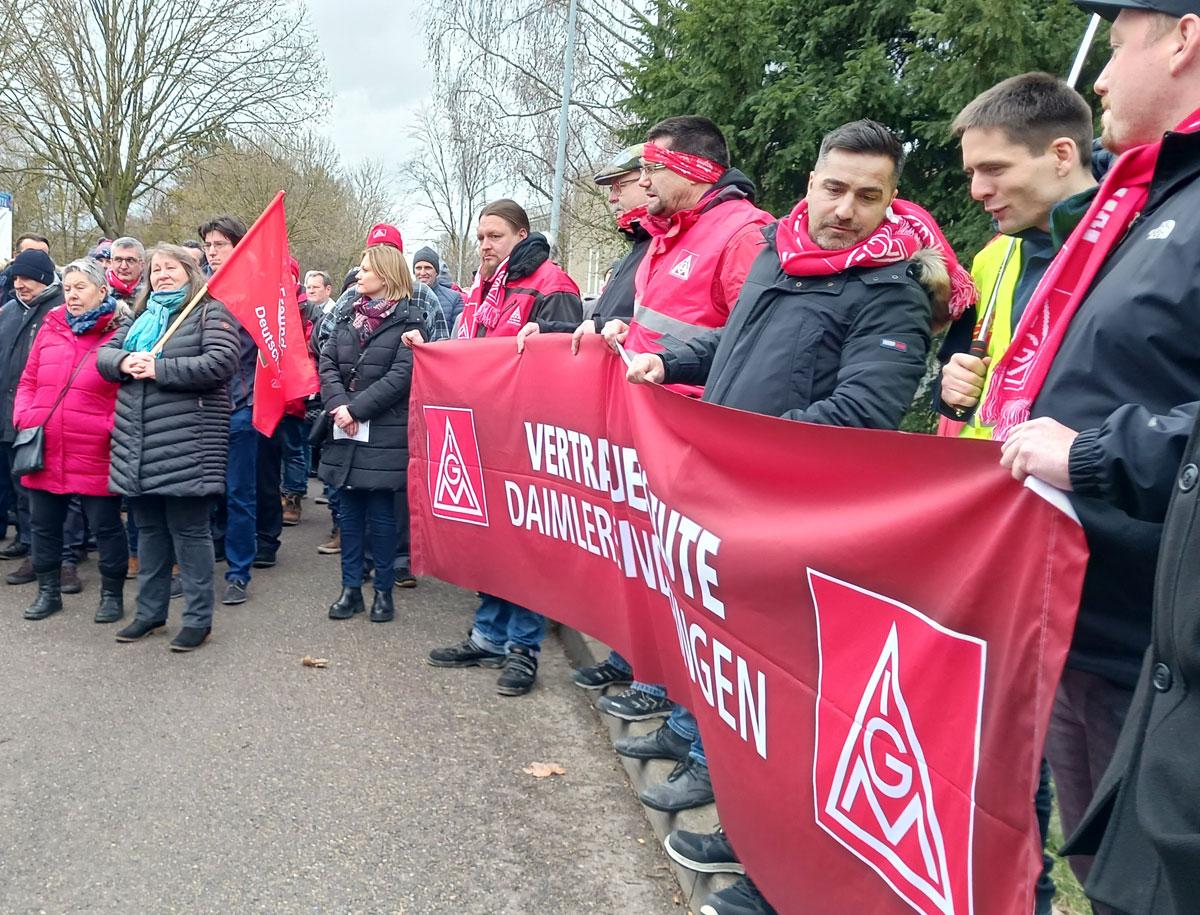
78 434
693 271
536 288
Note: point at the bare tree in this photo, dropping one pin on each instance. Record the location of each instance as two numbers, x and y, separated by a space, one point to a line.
112 97
453 173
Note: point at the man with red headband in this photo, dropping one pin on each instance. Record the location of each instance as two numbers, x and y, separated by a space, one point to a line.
832 326
1097 395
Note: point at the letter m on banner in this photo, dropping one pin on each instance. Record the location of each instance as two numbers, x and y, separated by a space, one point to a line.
899 708
456 490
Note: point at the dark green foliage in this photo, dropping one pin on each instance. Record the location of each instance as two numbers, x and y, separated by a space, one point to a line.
778 76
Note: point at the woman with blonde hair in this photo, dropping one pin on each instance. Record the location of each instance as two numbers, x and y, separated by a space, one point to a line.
366 371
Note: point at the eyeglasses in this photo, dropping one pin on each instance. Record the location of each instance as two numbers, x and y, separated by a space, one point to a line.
648 167
618 185
126 261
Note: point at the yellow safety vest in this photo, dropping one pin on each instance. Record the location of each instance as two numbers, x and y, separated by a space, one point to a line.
995 270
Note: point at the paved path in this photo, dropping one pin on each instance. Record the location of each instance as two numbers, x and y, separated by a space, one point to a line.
134 780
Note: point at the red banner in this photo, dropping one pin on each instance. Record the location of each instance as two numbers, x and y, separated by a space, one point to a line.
869 626
257 286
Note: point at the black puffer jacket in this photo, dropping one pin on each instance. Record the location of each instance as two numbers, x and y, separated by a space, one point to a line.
171 436
374 381
19 324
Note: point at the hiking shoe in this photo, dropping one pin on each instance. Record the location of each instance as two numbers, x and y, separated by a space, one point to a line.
635 705
24 574
69 576
138 629
190 638
520 672
663 743
405 577
333 545
235 593
291 509
465 654
743 898
15 550
704 852
600 675
687 787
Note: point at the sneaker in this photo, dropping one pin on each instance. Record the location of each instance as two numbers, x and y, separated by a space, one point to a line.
189 638
69 576
333 545
465 654
600 675
405 577
321 500
176 586
291 509
743 898
663 743
15 550
24 574
635 705
263 560
520 672
235 593
687 787
138 629
704 852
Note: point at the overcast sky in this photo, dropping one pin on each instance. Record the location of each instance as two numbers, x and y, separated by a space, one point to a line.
380 78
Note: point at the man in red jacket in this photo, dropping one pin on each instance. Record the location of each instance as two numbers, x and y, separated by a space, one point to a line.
706 233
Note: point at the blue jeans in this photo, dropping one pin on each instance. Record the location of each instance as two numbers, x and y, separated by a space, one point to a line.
335 500
295 455
368 515
500 624
683 723
241 489
626 668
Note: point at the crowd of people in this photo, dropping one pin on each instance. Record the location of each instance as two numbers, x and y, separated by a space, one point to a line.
128 392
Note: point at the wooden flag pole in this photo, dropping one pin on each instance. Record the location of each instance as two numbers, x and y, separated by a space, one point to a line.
187 310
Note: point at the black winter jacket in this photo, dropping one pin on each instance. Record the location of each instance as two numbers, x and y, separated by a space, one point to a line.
1128 361
171 435
616 301
842 350
19 324
374 381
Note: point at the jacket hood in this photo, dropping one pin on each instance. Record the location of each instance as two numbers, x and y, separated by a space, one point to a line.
736 178
529 254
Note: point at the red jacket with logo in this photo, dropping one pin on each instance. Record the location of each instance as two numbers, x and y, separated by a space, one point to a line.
536 289
690 277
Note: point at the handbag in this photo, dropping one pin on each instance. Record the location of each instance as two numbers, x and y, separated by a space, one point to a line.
29 446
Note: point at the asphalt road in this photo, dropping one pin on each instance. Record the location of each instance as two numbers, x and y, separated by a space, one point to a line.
233 779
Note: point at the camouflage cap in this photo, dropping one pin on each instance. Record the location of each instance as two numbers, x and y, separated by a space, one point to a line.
626 161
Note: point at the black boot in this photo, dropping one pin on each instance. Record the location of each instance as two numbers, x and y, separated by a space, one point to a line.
112 600
349 603
382 608
49 597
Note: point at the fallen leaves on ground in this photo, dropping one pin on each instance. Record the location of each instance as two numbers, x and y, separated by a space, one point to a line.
544 770
314 662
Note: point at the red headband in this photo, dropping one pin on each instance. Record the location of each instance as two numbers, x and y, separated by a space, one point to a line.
694 168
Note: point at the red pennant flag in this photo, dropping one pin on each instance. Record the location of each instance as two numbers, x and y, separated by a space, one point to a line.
256 285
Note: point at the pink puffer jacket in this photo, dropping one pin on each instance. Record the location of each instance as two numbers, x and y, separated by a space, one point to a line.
78 434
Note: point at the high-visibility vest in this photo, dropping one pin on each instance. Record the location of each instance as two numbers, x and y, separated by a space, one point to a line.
996 270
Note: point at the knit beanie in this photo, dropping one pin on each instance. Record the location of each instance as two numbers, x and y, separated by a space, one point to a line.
33 264
429 256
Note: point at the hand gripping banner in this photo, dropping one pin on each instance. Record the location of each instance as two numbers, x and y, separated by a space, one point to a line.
869 626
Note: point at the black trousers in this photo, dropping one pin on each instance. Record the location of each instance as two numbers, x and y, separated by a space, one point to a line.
170 529
48 511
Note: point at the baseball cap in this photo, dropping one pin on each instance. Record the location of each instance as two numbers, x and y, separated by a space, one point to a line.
627 160
1110 9
383 234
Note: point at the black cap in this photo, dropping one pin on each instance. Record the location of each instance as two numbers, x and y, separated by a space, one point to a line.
1110 9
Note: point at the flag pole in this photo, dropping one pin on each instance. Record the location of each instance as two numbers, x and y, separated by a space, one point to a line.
1084 46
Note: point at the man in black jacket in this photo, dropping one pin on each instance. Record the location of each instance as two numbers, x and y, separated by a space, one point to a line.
842 346
1116 407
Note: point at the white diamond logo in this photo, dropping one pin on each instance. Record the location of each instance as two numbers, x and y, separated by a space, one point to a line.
454 492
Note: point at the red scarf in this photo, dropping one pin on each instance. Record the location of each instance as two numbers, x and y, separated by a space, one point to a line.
686 165
119 287
905 230
368 315
1019 375
626 220
484 309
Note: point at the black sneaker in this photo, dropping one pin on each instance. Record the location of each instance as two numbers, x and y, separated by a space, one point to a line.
663 743
704 852
138 629
465 654
635 705
176 587
520 671
235 593
687 787
189 638
263 560
15 550
405 577
743 898
600 675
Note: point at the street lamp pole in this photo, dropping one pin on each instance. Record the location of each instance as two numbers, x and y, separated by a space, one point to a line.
560 159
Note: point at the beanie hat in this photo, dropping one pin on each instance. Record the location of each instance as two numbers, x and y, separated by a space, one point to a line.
429 256
33 265
383 234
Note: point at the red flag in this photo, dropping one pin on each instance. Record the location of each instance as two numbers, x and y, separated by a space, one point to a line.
256 285
872 681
